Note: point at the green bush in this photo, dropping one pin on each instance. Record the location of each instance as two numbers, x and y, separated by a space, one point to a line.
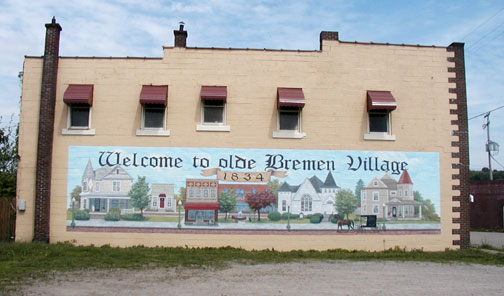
133 217
114 214
274 216
316 218
81 214
285 216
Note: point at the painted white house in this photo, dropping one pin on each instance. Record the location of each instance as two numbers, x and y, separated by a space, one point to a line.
105 188
311 196
162 198
391 199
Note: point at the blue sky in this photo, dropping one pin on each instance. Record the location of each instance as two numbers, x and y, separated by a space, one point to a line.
141 28
423 167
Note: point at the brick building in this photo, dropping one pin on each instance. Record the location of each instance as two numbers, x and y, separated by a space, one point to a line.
340 109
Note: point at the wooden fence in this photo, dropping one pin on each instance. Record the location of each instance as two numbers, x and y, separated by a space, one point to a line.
7 218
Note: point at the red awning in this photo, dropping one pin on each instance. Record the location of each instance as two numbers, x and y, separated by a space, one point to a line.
201 206
380 100
290 97
218 93
79 94
154 94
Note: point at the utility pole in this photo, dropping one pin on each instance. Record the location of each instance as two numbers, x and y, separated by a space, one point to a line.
488 148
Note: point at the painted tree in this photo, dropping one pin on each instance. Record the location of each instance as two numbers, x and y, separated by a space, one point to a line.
139 194
259 200
273 186
181 195
227 202
358 189
346 202
75 194
428 208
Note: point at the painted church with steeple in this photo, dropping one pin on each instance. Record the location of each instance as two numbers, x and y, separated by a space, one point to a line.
311 196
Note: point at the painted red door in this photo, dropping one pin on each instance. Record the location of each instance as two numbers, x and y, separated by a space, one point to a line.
161 203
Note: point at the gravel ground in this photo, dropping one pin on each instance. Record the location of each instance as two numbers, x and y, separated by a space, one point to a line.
310 278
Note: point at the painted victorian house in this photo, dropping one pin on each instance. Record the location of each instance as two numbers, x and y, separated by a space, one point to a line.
391 199
105 188
311 196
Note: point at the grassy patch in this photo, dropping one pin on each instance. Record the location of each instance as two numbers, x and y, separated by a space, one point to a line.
21 261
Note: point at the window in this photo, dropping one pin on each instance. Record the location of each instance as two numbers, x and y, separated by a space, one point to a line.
405 192
213 109
124 204
116 186
379 121
290 102
306 203
376 209
288 119
213 112
79 116
191 215
97 187
284 205
376 196
153 100
154 202
364 209
209 215
191 192
380 105
213 193
79 100
364 195
169 202
85 186
153 116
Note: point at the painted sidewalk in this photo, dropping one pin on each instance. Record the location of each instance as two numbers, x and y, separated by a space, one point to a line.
246 226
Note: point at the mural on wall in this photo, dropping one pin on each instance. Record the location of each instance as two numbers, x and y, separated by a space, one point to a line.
258 189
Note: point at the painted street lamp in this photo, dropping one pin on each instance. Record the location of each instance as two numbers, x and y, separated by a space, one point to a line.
73 212
288 218
179 204
384 217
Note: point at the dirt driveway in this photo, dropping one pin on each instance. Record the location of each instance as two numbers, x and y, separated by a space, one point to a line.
311 278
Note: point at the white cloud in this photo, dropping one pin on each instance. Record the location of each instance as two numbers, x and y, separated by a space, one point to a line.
140 28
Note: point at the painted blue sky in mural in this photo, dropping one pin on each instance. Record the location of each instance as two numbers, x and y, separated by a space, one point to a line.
175 165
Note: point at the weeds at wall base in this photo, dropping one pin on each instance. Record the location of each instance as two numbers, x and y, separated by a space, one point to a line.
21 261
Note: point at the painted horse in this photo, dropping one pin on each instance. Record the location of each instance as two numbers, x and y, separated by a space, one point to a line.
347 223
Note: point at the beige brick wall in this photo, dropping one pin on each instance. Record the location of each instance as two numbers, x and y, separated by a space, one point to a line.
334 82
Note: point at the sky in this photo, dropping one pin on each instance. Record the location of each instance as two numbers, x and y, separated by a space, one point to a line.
347 167
140 28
